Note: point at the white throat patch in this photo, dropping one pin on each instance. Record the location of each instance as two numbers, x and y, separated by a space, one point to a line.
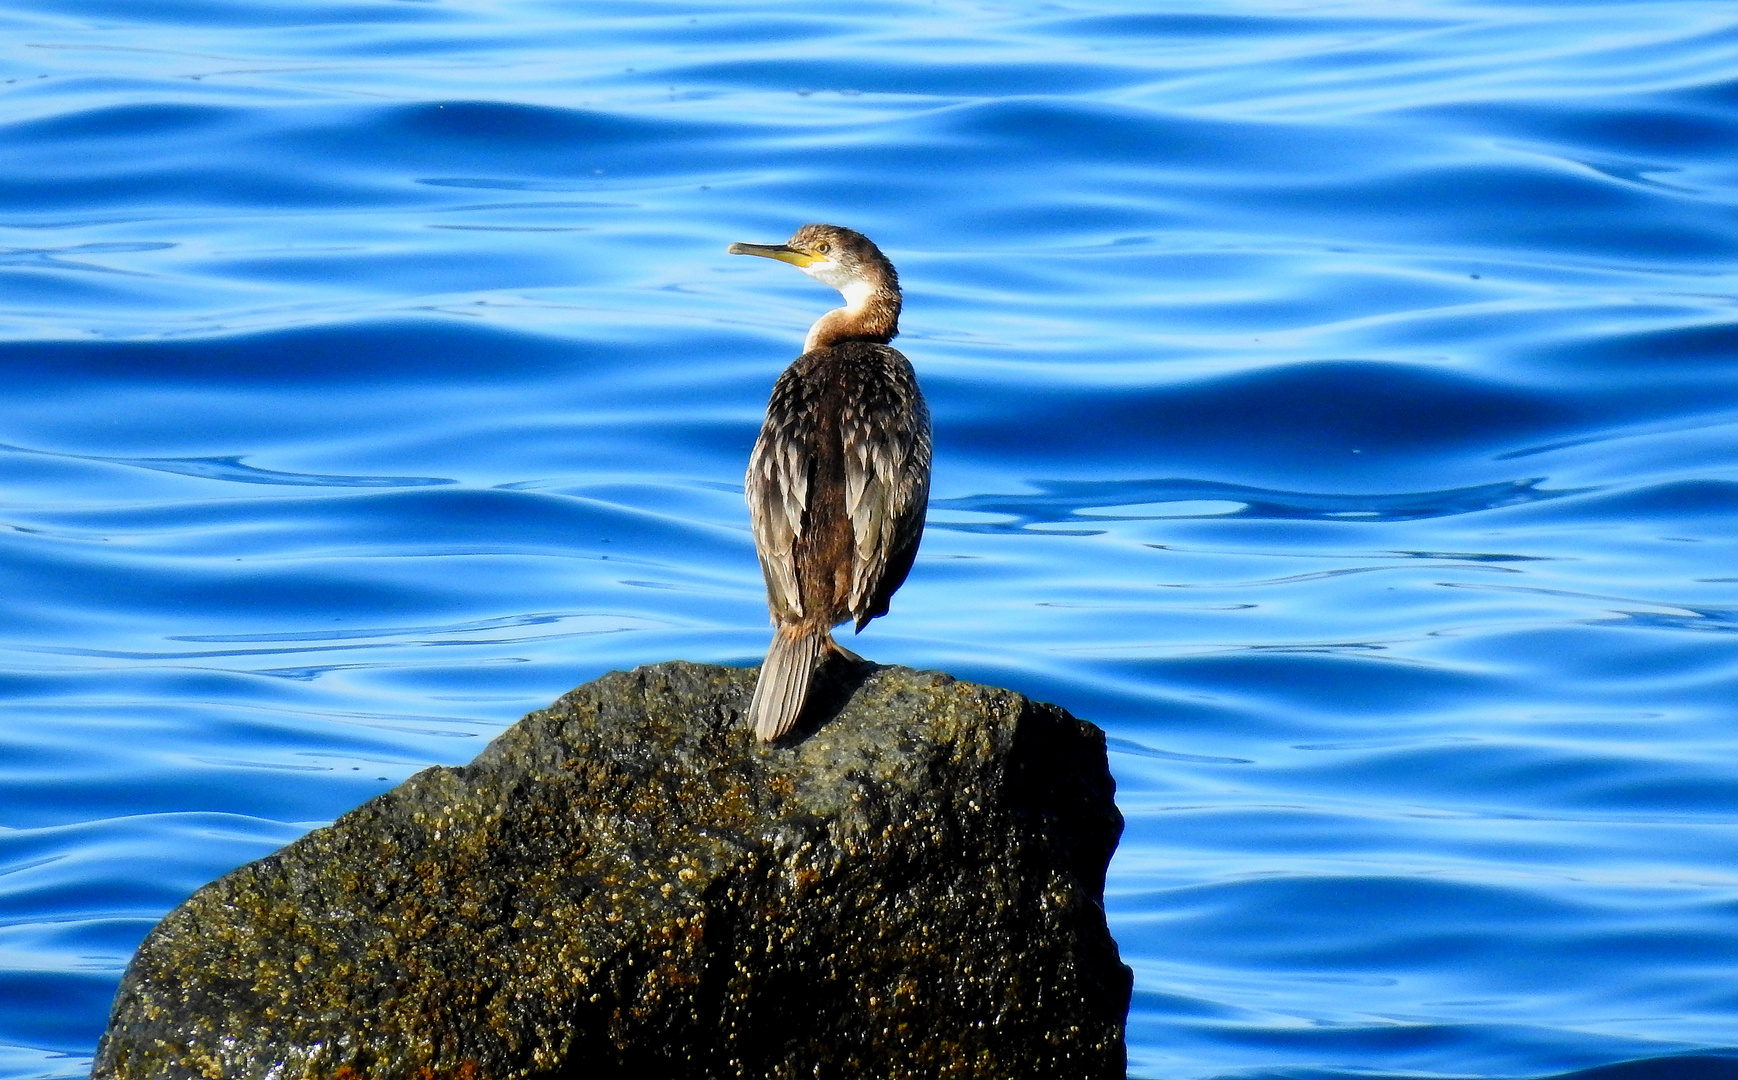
854 289
856 293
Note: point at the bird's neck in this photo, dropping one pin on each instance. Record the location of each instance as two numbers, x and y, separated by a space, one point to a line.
871 313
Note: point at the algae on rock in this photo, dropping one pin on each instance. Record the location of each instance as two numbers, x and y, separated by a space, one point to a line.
627 884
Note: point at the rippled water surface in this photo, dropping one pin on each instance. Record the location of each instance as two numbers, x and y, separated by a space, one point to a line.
1338 403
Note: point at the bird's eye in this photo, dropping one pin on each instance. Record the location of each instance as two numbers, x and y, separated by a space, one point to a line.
823 248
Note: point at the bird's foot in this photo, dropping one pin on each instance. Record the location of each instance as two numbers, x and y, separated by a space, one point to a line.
843 653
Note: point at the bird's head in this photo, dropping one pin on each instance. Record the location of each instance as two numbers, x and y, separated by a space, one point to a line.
836 256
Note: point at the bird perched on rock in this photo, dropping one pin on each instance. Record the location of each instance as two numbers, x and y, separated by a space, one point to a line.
839 479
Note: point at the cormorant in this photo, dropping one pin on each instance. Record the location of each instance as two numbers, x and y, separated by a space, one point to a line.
839 478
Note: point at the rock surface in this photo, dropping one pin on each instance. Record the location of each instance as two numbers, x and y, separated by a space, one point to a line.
626 884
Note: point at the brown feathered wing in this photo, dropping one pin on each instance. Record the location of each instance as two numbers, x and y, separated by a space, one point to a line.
887 457
777 487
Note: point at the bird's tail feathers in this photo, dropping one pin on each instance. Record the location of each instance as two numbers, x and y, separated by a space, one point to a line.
783 685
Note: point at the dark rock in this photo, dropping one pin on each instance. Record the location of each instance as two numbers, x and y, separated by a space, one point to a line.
626 884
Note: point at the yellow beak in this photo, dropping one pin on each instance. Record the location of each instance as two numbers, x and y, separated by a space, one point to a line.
775 251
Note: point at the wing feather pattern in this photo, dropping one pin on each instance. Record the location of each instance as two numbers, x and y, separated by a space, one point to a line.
887 457
777 488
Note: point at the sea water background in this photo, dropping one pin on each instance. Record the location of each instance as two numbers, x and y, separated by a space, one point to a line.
1338 403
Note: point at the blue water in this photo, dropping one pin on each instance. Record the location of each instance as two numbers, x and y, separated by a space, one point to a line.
1338 403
